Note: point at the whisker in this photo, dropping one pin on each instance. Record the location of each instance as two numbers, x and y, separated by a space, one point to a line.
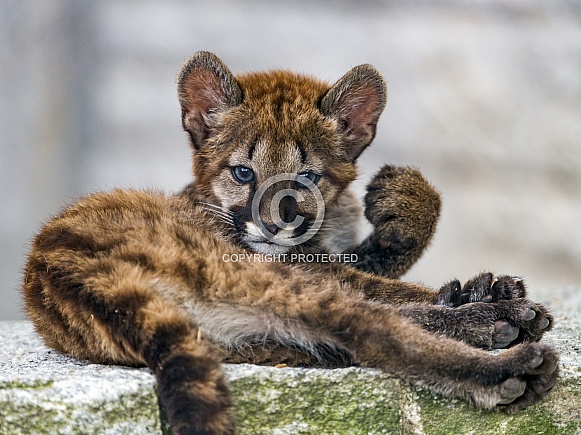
215 213
216 207
333 219
222 217
219 212
227 222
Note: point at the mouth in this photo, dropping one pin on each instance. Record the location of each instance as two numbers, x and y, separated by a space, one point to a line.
266 246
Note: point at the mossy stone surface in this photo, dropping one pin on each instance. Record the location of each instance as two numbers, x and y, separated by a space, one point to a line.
295 401
558 414
43 392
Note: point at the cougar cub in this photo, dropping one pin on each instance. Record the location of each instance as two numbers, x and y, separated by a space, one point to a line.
257 260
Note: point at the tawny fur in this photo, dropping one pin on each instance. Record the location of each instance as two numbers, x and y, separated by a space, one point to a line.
140 278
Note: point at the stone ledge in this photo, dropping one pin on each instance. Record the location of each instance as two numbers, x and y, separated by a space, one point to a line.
43 392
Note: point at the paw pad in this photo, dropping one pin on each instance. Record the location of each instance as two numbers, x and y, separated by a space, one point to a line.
544 323
504 334
510 390
530 315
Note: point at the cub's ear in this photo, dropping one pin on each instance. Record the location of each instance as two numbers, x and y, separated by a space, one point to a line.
356 102
205 87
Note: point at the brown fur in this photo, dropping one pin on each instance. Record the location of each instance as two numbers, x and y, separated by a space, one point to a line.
140 278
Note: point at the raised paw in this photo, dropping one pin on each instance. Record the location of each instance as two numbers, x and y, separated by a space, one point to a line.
485 287
403 207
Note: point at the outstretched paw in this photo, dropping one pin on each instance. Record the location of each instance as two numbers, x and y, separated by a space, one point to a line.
533 371
485 287
523 321
403 207
505 323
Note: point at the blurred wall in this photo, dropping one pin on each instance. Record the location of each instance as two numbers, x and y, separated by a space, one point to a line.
485 97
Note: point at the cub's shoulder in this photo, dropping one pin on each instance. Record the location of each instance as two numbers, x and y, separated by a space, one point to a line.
101 221
118 202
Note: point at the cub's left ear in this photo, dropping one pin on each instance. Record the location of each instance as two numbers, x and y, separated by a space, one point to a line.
356 102
206 87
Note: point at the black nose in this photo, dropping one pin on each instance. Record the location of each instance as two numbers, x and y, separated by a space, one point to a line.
271 228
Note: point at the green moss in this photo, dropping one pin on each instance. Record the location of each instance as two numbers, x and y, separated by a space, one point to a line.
356 404
49 415
552 416
29 419
37 385
17 418
139 407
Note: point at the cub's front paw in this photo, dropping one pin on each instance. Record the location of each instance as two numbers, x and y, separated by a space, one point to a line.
485 287
515 321
403 207
487 326
530 371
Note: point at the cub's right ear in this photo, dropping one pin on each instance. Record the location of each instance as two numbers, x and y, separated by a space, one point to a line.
356 102
205 87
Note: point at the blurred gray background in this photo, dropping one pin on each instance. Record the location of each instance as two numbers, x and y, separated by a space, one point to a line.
484 96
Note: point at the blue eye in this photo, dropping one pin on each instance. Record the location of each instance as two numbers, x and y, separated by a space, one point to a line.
243 174
314 178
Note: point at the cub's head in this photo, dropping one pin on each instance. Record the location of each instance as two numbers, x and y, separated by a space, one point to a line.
274 150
